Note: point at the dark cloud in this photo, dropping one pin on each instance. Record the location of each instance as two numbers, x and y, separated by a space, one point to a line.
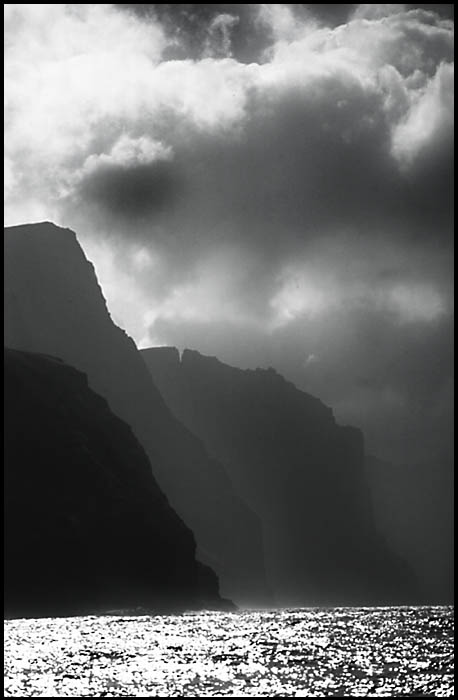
298 181
330 14
445 10
335 14
294 212
189 27
133 192
188 24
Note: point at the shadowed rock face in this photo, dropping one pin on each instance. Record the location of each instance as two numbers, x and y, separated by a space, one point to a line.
301 472
413 503
86 526
54 305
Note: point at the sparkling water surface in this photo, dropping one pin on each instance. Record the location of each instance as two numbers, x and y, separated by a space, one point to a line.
364 652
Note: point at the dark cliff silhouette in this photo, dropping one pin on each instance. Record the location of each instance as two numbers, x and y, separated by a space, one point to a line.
86 526
300 471
54 305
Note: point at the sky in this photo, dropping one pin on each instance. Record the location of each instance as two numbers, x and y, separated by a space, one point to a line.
270 184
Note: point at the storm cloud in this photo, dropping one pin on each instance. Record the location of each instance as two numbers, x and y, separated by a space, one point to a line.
271 184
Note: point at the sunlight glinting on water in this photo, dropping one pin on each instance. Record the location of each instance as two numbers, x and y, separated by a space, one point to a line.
360 652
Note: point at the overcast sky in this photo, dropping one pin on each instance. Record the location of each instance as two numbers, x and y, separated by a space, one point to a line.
271 184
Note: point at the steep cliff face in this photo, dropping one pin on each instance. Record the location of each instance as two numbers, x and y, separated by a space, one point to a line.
54 305
301 472
86 526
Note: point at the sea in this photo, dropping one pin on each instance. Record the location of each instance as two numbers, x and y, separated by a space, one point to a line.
313 652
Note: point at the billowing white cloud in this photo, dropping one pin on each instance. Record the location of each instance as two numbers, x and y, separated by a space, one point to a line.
245 198
429 119
76 74
124 153
283 24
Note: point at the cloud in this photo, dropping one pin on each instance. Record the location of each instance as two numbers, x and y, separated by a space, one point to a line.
260 176
62 99
428 124
219 39
377 11
307 294
127 152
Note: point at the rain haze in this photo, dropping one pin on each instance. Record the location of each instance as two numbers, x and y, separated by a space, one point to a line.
229 452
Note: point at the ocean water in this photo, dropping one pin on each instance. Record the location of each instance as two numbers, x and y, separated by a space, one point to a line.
368 652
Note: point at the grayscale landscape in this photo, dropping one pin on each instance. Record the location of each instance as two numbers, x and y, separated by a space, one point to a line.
357 652
228 350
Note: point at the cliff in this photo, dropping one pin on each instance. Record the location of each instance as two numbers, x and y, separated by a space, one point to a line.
54 305
87 528
413 505
301 473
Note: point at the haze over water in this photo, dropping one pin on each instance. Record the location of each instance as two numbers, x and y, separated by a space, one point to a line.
315 652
